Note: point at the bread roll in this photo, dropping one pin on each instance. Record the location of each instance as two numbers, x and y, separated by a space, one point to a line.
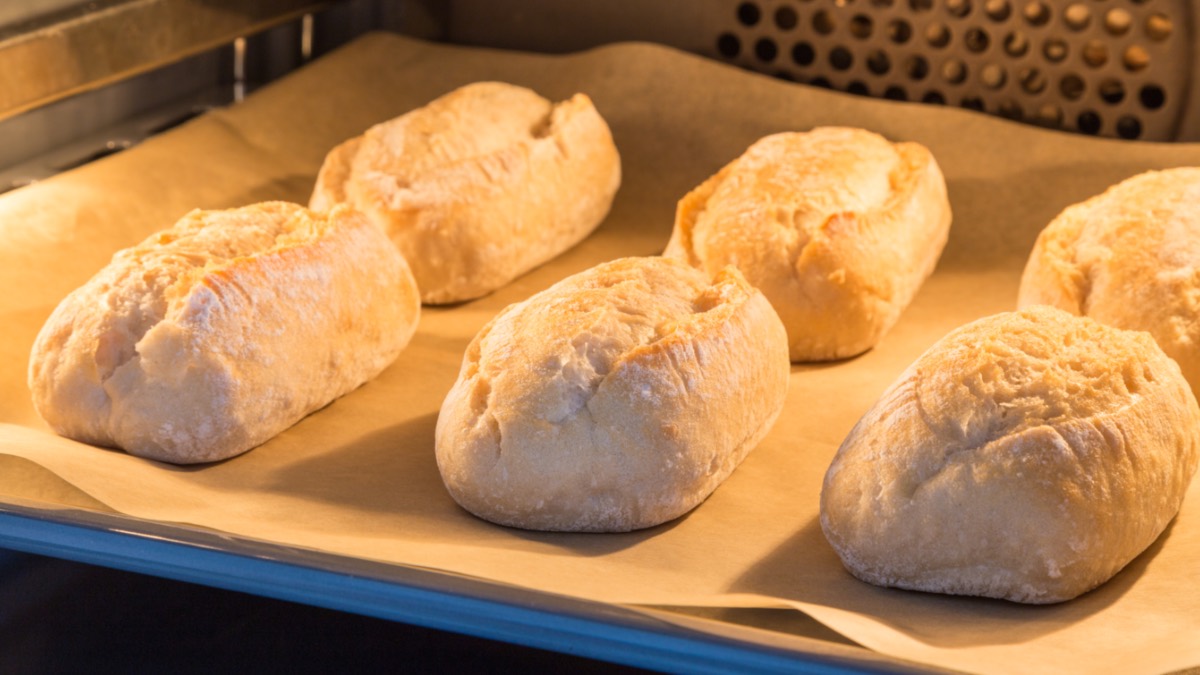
1026 456
479 186
617 399
1128 258
838 227
214 335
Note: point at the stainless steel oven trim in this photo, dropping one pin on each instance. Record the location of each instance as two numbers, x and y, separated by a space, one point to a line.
81 51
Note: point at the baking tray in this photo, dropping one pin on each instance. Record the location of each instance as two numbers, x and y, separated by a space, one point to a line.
346 509
644 638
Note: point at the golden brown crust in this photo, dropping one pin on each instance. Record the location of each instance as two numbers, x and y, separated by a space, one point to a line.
838 228
214 335
1128 258
590 406
479 186
1027 456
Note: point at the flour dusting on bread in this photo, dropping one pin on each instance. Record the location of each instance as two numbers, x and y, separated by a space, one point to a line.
479 186
590 406
1027 456
214 335
1128 258
837 226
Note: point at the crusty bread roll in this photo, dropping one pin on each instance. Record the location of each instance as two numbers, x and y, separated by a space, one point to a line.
837 226
617 399
1026 456
214 335
480 185
1128 258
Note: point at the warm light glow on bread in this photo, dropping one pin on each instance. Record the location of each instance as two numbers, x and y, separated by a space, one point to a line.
1129 257
617 399
214 335
479 186
838 227
1027 456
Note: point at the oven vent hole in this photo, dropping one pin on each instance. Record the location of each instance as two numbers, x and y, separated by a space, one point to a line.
997 10
899 31
1129 127
786 18
748 14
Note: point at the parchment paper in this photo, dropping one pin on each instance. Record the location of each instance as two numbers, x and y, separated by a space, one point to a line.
358 478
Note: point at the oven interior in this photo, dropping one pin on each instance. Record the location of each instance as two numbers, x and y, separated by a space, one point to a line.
86 80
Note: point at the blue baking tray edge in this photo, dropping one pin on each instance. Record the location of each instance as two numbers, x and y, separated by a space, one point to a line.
412 595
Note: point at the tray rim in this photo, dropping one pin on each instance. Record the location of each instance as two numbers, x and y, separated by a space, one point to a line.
640 637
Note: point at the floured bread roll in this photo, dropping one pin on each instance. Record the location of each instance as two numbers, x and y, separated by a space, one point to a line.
479 186
617 399
218 333
1026 456
837 226
1129 258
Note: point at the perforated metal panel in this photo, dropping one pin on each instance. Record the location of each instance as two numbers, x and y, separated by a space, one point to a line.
1109 67
1119 68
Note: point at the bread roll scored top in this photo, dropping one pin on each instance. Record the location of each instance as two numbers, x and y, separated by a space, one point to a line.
1129 257
214 335
837 226
1027 456
617 399
480 185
